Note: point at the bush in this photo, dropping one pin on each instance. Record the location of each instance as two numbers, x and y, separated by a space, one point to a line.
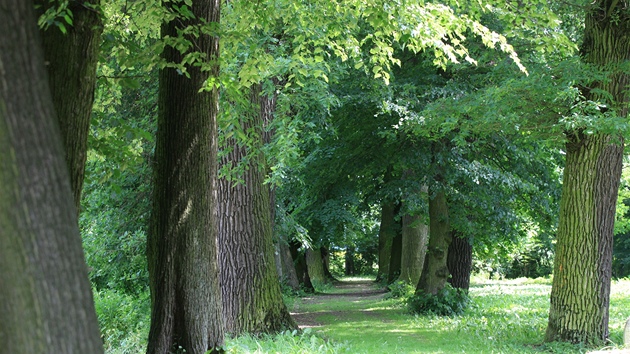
448 302
400 289
124 320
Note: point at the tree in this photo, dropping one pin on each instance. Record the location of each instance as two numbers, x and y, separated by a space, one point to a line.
181 244
71 52
459 261
249 280
414 239
580 292
45 299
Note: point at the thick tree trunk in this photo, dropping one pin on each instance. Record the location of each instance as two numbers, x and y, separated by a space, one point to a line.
181 247
580 292
326 263
386 234
413 251
396 254
582 266
459 261
435 272
46 302
71 60
252 301
287 265
315 265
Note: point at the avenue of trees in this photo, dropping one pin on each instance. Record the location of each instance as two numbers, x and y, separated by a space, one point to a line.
217 153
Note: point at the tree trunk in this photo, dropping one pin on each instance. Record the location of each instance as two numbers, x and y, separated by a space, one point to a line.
413 251
181 246
287 264
459 261
71 60
582 266
315 265
301 269
252 301
580 292
349 261
46 302
326 263
395 257
435 271
386 233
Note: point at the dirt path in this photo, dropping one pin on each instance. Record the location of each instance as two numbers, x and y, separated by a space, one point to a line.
353 295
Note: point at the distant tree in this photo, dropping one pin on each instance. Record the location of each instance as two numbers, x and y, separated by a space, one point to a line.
71 49
459 261
181 244
580 293
46 302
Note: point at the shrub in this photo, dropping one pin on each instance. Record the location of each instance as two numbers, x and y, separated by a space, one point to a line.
400 289
448 302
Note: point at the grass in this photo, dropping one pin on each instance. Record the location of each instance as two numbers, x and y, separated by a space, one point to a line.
505 316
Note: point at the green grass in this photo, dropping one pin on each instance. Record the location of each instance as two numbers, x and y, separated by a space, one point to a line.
507 316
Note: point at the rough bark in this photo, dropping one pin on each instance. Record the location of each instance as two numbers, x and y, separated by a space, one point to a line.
315 265
386 233
582 266
413 251
252 301
435 272
71 60
459 261
181 246
46 302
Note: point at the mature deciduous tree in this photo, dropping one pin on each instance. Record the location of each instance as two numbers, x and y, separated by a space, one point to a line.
414 239
435 272
46 303
71 57
181 245
459 261
582 267
251 292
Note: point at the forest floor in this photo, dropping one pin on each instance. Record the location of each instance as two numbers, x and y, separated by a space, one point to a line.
504 317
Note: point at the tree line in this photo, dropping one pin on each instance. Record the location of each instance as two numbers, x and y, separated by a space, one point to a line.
421 123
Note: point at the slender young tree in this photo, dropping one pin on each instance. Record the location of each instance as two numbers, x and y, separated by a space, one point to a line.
251 290
46 302
580 292
71 58
181 245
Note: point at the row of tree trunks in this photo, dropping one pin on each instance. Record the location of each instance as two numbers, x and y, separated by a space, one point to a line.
46 303
71 60
580 292
413 251
181 245
246 249
459 261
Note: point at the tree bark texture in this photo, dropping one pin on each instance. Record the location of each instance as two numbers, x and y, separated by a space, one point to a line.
71 60
459 261
414 248
181 246
250 286
46 303
580 292
287 265
435 271
315 265
386 233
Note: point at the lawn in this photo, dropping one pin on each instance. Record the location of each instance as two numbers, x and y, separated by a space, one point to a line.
506 316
